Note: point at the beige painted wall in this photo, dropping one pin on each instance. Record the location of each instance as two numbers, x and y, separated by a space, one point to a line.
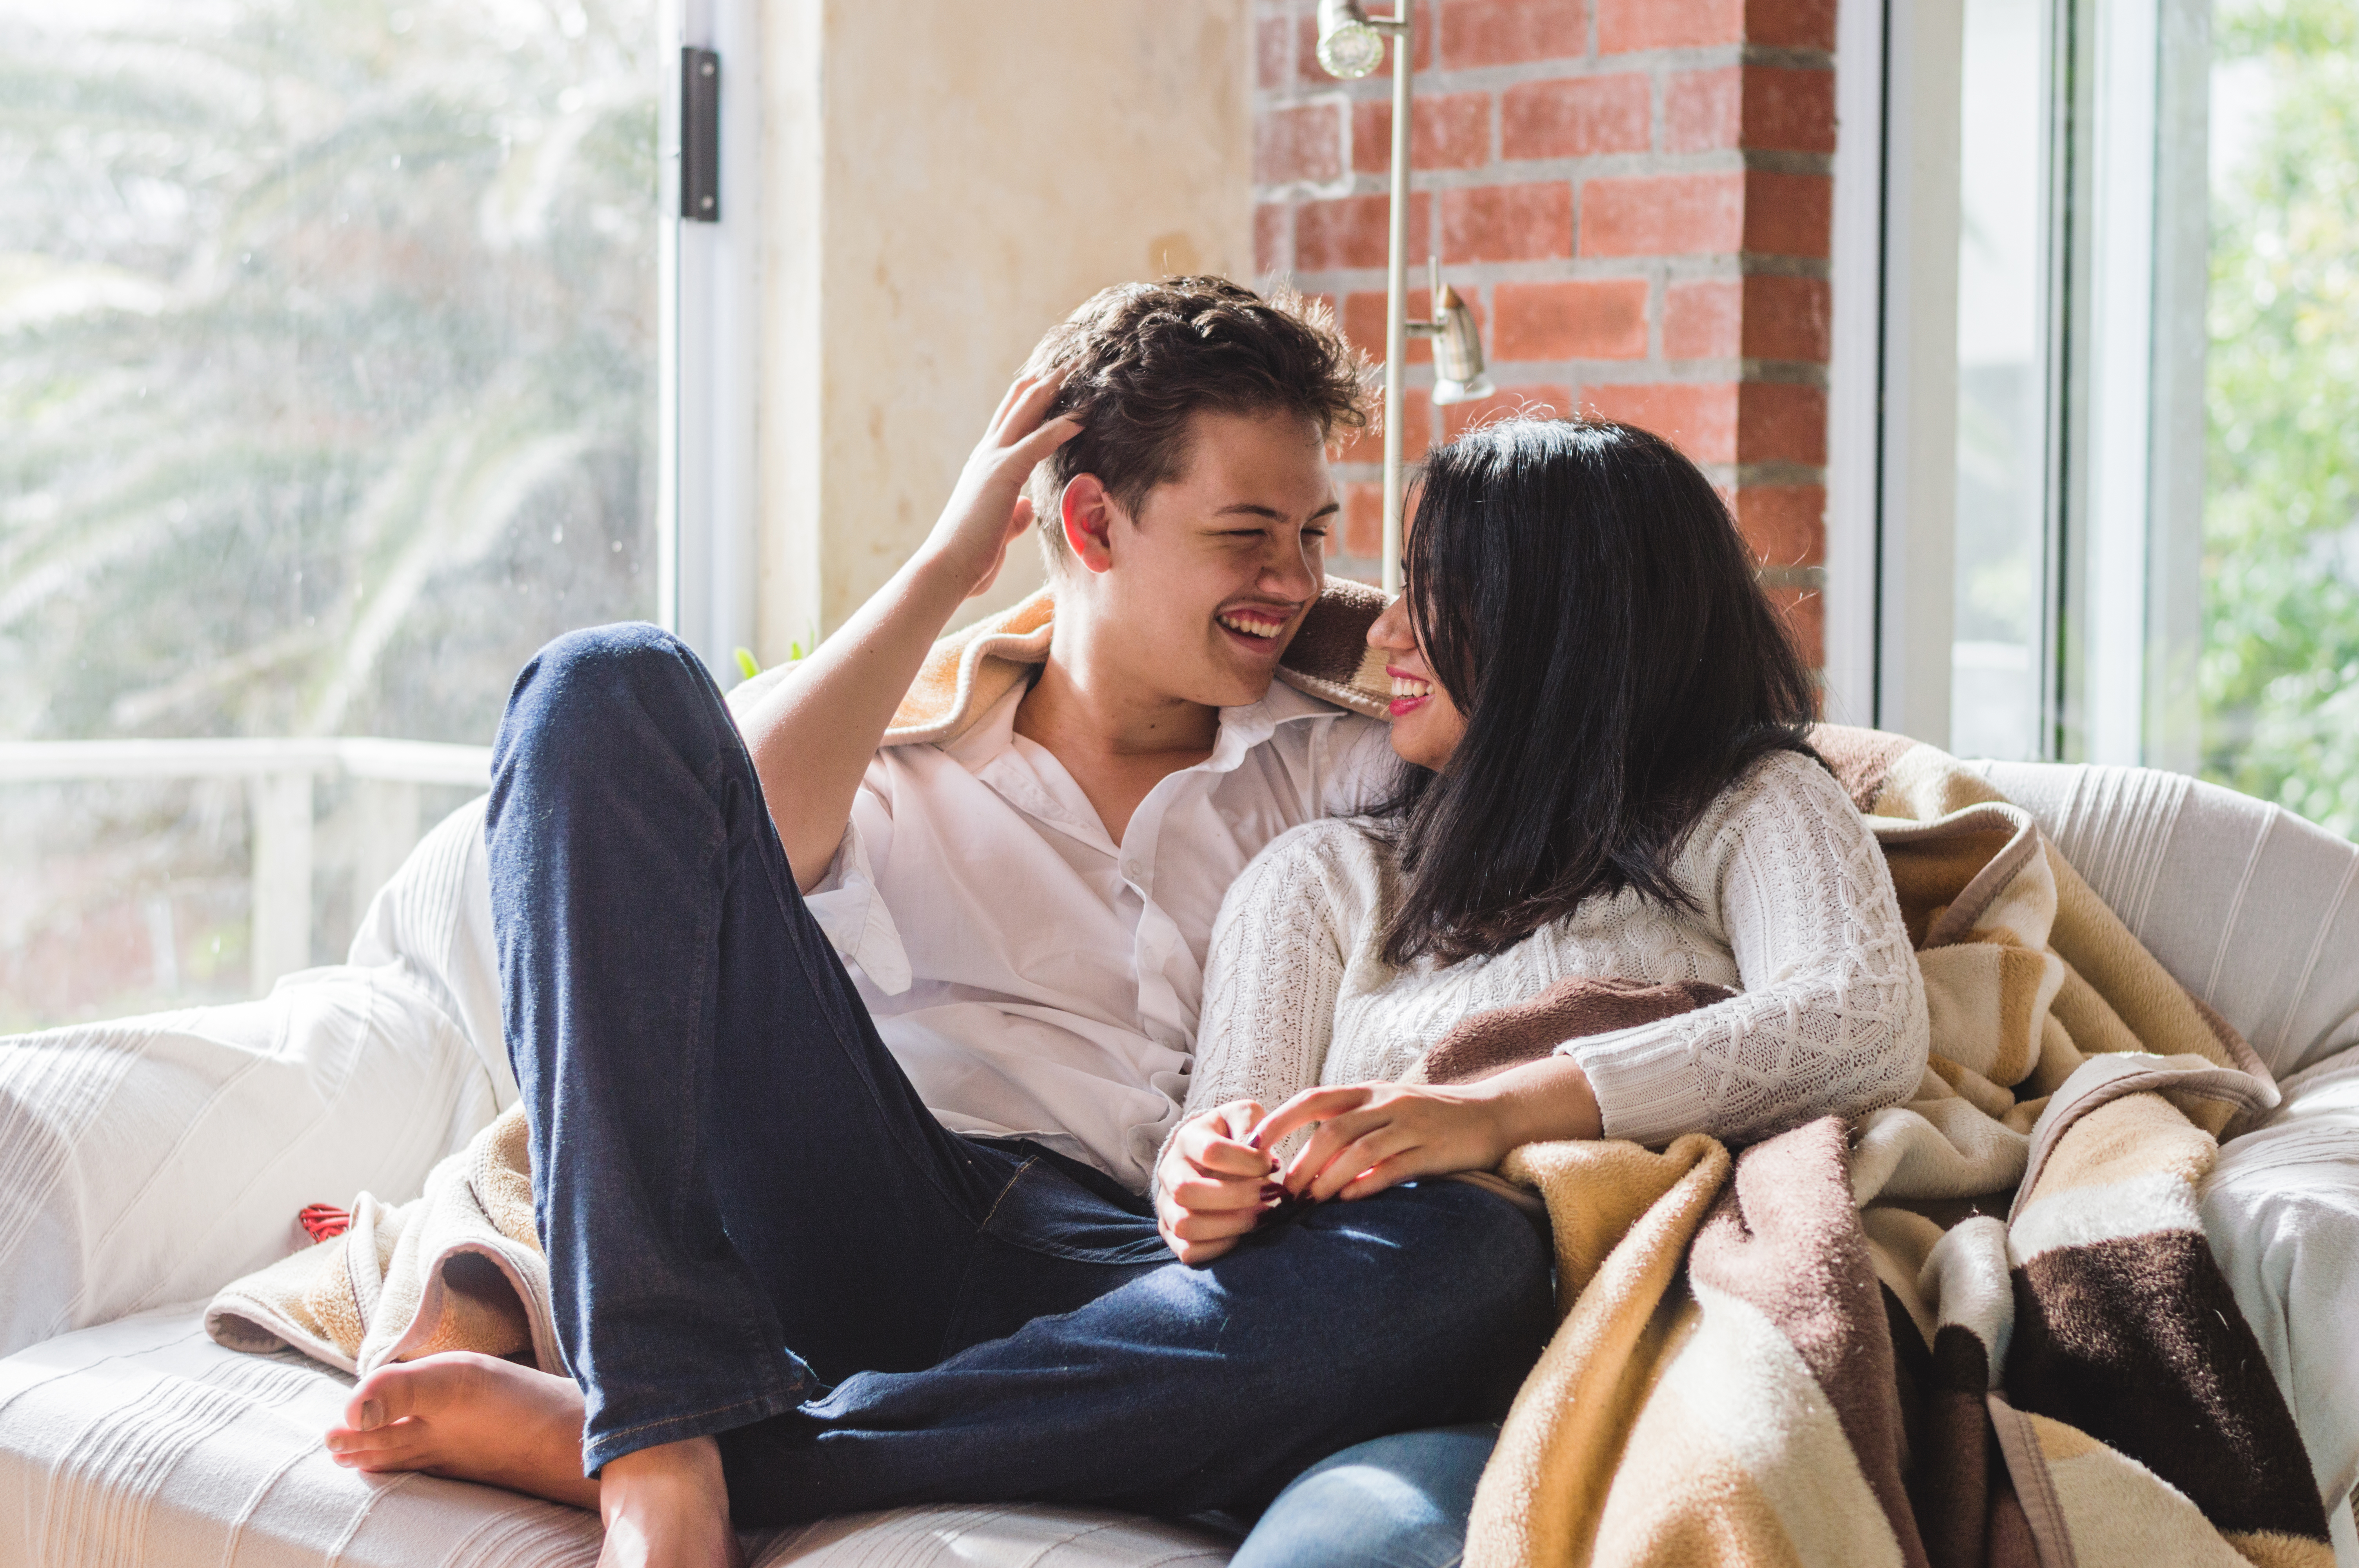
942 181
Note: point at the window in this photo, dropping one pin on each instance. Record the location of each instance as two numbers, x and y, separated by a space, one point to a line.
328 391
2152 550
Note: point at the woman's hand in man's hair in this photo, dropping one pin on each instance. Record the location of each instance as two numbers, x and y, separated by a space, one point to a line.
1212 1185
1373 1136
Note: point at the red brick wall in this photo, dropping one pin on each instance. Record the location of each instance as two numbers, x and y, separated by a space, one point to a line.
1635 196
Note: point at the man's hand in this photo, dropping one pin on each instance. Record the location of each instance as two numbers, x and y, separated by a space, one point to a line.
1212 1185
812 737
1373 1136
987 512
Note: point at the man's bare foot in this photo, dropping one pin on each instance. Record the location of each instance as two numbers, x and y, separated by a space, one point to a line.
667 1507
473 1418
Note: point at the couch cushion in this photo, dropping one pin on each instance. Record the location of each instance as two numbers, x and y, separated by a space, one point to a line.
2252 908
2281 1207
143 1445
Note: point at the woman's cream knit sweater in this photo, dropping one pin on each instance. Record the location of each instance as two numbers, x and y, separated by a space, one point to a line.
1795 909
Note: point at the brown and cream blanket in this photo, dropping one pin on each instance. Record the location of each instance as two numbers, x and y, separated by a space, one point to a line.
1982 1326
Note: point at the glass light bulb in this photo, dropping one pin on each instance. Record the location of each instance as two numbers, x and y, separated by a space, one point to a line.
1350 46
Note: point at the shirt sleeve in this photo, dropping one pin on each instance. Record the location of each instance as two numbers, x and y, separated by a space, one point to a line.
1360 766
849 901
1831 1018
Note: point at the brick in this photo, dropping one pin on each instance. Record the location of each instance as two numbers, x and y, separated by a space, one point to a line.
1704 320
1780 422
1792 24
1274 51
1546 401
1507 223
1580 118
1627 25
1364 520
1572 318
1759 318
1789 111
1756 107
1350 232
1702 214
1509 32
1784 524
1657 215
1788 318
1788 214
1804 610
1699 418
1305 142
1364 322
1416 425
1272 237
1445 131
1703 109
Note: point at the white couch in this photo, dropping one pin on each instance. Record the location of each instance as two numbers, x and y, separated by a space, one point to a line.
144 1163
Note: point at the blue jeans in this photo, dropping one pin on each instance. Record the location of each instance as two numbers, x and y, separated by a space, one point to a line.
1395 1502
756 1230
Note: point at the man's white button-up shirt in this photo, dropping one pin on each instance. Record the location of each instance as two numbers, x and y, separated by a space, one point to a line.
1032 976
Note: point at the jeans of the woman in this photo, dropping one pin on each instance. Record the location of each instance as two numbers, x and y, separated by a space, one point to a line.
1394 1502
755 1229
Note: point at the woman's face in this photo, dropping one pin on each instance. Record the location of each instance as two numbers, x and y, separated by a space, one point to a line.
1426 724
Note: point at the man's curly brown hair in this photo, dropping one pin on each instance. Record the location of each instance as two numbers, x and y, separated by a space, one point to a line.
1145 356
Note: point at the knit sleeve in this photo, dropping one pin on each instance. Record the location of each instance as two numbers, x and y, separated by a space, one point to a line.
1273 974
1831 1016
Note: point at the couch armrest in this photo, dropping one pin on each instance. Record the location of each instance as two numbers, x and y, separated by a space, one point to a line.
154 1160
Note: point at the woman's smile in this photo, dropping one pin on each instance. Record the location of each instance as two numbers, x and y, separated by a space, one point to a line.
1411 691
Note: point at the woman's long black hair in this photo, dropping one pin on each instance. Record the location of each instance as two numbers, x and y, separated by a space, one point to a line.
1583 597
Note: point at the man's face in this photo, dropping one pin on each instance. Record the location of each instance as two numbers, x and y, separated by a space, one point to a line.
1211 580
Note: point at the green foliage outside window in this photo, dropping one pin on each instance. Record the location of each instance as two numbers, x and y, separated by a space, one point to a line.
2280 667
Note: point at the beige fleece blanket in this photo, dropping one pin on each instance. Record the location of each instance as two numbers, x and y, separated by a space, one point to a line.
1980 1327
459 1268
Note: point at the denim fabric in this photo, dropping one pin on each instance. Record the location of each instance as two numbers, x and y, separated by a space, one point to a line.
756 1230
1394 1502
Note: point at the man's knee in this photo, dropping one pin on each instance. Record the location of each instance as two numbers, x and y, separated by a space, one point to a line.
586 694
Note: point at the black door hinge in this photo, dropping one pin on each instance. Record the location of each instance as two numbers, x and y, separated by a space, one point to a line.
700 135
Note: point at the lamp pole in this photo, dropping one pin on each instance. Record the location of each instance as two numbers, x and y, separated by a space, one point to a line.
1397 287
1351 45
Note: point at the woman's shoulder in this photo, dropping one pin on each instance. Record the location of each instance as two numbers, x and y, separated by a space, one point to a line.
1333 844
1334 860
1781 789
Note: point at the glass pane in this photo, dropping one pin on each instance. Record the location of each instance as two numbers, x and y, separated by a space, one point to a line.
327 395
2279 673
1996 657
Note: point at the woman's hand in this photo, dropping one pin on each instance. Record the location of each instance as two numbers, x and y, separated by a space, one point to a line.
985 513
1373 1136
1212 1185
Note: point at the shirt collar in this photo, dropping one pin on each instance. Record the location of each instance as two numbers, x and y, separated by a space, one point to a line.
1241 728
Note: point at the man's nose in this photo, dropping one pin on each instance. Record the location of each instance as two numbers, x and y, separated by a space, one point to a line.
1291 571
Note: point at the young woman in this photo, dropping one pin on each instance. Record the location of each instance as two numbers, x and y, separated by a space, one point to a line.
1608 780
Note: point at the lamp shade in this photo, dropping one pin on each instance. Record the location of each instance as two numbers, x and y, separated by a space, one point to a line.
1350 46
1457 351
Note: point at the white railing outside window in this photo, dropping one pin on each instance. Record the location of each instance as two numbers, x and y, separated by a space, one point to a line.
281 778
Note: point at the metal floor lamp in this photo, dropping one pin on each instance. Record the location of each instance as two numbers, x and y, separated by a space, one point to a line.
1351 45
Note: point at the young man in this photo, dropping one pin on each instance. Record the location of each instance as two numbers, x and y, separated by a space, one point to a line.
820 1243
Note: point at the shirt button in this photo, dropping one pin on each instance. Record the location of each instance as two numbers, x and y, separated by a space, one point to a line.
1132 870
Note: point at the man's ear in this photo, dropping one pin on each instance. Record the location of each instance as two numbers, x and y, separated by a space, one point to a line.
1087 513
